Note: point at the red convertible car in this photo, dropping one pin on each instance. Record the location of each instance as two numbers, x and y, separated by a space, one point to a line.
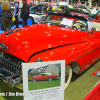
59 37
44 76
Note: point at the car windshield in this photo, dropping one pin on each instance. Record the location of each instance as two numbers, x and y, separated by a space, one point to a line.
54 19
61 19
72 21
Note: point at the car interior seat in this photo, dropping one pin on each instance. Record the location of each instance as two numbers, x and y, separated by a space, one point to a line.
79 25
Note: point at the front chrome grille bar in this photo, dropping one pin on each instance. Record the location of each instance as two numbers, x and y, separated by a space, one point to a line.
10 64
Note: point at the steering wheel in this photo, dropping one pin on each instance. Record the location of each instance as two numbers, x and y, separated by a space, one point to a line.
74 27
78 25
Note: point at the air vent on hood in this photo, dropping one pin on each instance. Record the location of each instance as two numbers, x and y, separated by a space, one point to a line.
16 30
12 31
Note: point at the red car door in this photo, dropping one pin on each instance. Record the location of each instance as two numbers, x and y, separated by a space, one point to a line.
42 77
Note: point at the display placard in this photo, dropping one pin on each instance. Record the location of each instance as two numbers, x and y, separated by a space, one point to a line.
44 80
66 21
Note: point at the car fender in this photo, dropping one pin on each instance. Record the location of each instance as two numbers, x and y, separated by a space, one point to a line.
70 53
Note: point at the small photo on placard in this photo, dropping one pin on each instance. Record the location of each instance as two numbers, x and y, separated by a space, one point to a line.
44 80
44 77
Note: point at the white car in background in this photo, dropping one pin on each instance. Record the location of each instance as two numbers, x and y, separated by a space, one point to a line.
35 17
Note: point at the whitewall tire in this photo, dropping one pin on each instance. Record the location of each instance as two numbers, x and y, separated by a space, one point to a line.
68 76
34 80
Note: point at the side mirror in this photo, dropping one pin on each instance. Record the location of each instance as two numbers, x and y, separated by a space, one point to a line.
93 29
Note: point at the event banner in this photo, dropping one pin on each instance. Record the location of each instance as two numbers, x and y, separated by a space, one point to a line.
44 80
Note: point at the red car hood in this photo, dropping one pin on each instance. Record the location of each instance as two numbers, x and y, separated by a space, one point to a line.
35 38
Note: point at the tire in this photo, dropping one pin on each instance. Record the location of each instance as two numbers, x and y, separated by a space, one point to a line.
50 78
34 80
68 76
32 20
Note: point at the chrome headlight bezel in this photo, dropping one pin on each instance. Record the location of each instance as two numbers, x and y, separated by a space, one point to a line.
39 60
4 47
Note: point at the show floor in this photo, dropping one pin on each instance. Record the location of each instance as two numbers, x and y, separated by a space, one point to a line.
82 85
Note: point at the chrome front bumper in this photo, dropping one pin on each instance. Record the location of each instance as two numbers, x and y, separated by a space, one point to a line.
12 81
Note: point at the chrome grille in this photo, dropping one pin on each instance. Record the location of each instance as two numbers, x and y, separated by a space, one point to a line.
10 64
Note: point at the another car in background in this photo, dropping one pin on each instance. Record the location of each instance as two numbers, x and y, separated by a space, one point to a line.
83 10
61 7
33 17
79 12
66 6
93 11
36 8
74 12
